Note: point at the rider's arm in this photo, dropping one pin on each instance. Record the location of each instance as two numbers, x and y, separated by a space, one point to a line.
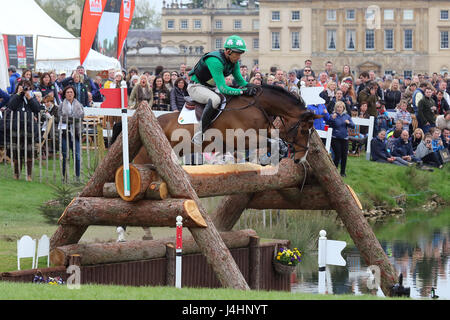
216 69
240 81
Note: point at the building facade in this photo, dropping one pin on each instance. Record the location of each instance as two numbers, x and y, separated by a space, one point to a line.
401 37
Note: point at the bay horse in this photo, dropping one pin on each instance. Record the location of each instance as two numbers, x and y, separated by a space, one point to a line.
256 112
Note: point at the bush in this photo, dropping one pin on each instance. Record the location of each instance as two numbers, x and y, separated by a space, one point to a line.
53 209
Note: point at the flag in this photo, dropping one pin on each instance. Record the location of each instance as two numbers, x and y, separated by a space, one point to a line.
92 13
126 15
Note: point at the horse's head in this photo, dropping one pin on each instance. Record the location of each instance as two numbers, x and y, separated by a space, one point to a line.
299 134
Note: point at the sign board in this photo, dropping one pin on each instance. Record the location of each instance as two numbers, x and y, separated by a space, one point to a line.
19 51
311 95
334 256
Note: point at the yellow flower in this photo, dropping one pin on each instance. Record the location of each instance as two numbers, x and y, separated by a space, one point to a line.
278 258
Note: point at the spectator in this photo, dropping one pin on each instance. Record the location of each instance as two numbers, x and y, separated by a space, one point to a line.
418 94
279 76
96 94
141 92
177 95
256 81
445 137
4 98
346 73
133 71
132 83
379 152
46 87
348 91
382 120
393 95
443 88
84 78
13 76
443 121
416 138
292 78
328 71
403 148
365 80
110 81
328 94
158 71
425 114
183 70
340 121
425 153
68 111
25 107
36 79
270 80
362 112
306 71
369 95
403 115
338 97
436 141
173 77
161 96
54 81
440 103
166 76
80 88
408 94
323 80
355 135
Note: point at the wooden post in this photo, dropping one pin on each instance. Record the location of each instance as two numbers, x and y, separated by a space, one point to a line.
168 168
342 200
170 273
254 272
230 210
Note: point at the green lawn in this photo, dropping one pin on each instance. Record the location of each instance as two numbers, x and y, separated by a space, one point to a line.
30 291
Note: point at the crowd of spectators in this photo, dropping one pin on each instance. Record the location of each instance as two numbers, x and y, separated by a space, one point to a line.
412 117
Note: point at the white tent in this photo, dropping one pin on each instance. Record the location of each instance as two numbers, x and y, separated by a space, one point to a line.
54 47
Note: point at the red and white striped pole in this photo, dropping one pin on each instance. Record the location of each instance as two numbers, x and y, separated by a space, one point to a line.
179 246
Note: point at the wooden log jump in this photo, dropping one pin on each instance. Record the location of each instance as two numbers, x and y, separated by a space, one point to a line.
98 253
145 213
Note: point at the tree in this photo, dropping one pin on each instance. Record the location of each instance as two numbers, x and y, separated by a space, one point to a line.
145 16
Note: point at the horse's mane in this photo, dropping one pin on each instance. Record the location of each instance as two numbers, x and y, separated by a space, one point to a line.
281 91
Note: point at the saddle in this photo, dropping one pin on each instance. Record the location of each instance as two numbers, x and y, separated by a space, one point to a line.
199 107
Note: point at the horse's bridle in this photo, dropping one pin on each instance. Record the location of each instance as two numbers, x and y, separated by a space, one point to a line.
293 129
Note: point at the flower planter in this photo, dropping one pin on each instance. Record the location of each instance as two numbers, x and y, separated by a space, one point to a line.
282 268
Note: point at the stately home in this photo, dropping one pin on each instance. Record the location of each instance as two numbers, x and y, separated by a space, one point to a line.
401 37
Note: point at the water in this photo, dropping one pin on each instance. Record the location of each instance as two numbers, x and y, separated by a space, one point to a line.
418 246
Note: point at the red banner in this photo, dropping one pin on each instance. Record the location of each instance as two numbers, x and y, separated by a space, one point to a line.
92 13
126 15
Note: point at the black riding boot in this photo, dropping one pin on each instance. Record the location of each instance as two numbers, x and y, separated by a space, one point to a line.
207 117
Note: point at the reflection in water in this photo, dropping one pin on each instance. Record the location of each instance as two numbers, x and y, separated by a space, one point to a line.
423 260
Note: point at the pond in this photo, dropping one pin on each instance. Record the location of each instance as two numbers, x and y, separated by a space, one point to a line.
418 246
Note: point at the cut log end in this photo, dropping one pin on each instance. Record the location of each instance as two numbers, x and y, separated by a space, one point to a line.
192 211
135 182
355 197
157 190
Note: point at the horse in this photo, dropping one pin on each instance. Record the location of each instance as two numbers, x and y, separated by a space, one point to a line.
257 112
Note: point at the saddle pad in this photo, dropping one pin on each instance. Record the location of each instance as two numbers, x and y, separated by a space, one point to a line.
188 116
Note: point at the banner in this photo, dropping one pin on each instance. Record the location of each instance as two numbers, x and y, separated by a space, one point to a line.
19 51
126 15
106 37
92 13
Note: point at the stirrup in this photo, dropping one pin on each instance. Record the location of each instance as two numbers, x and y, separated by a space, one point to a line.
197 139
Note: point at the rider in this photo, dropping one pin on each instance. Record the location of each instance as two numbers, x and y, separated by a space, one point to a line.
210 72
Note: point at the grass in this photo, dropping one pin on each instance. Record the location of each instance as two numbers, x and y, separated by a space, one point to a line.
30 291
375 184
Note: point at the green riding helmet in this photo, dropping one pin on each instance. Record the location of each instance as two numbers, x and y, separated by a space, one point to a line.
235 43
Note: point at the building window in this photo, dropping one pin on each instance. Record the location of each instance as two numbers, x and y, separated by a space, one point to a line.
171 24
444 39
351 14
276 40
275 15
183 24
408 41
218 43
218 24
350 38
256 43
331 39
408 14
197 24
295 40
389 39
444 14
331 14
237 24
407 73
388 14
255 24
295 15
370 39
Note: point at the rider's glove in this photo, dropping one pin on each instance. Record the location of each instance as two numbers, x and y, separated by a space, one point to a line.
249 90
